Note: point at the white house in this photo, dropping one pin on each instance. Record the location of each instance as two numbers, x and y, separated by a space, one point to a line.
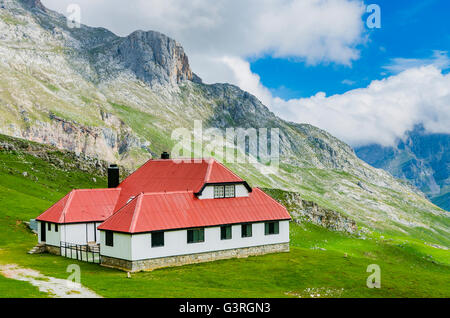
168 213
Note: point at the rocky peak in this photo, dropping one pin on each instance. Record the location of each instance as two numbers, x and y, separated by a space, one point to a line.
153 57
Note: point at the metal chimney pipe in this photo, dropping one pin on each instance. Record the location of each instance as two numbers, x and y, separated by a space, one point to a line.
165 155
113 176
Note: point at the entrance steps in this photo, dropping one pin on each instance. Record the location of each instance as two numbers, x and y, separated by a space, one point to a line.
38 249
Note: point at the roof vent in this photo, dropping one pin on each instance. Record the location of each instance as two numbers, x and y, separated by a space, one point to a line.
165 155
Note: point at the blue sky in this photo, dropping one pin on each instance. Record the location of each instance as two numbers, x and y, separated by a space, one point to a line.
410 30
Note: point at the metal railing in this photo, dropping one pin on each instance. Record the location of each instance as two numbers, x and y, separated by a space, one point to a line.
85 253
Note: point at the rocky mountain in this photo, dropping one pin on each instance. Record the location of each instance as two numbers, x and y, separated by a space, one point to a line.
119 99
421 158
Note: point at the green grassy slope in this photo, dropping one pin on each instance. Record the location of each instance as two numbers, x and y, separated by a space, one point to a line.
409 268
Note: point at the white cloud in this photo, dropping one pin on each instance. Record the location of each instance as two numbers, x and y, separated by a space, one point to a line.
380 113
316 31
439 59
247 80
348 82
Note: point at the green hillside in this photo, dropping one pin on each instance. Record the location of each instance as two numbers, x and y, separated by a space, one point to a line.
321 262
79 89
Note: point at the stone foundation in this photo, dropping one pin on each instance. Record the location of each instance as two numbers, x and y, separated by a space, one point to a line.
56 250
150 264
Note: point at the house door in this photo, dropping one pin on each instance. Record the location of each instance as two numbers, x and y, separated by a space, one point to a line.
43 236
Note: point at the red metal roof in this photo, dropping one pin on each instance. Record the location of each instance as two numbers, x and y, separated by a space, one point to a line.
175 210
160 196
173 175
81 206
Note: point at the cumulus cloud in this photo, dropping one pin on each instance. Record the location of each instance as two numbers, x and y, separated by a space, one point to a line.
380 113
314 31
439 59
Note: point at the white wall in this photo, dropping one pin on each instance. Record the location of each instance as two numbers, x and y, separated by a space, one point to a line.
139 246
79 233
52 237
208 192
121 248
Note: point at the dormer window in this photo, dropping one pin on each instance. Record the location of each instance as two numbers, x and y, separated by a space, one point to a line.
219 192
224 191
230 191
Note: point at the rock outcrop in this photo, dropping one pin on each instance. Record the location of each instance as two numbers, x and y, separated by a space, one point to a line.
303 210
153 57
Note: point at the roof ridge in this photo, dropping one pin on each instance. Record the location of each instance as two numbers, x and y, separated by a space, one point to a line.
136 212
208 170
69 200
97 189
120 209
166 192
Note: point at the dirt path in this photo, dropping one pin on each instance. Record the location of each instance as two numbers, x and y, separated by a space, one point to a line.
55 287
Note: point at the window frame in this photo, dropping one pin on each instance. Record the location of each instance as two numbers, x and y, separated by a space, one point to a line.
224 188
192 239
246 232
224 232
223 192
49 227
233 186
109 240
275 230
157 244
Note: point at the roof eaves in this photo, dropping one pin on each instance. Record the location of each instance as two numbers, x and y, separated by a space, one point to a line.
275 202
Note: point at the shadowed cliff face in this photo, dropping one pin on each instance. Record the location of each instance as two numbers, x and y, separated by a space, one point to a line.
153 57
34 4
421 158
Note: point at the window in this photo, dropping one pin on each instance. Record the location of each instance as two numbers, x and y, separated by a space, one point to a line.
246 230
109 238
224 191
56 227
49 226
157 239
230 191
272 228
196 236
219 192
225 232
